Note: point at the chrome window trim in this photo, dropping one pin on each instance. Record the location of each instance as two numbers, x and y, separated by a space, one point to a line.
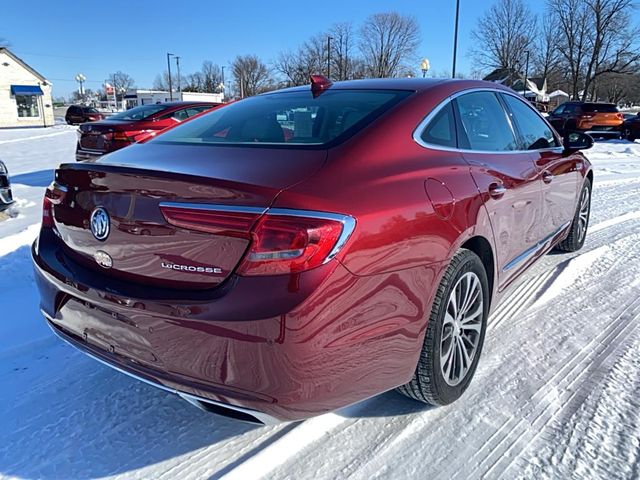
193 399
347 221
417 133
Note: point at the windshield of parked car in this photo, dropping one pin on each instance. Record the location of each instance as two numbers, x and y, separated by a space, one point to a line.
287 118
138 113
599 108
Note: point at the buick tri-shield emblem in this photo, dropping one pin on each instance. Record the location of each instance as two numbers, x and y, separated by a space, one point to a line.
100 223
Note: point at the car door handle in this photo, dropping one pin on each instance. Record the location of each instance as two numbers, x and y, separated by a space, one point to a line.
497 190
547 177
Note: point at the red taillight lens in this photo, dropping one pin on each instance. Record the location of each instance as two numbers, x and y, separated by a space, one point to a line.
235 224
620 116
125 136
289 244
47 213
53 195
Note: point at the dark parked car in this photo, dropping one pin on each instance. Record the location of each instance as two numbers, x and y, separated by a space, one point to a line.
305 249
6 198
596 119
77 114
631 127
124 128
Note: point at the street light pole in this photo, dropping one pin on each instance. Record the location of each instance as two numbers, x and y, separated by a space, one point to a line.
169 69
178 66
223 86
328 57
455 40
80 78
526 74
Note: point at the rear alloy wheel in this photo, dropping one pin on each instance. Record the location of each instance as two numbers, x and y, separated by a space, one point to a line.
455 333
580 223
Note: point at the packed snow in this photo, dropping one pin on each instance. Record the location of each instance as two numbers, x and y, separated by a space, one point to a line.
555 394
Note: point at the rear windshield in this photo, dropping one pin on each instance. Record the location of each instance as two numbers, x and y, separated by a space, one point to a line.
138 113
599 107
287 118
90 110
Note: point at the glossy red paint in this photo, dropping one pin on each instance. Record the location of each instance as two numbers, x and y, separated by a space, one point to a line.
108 135
294 345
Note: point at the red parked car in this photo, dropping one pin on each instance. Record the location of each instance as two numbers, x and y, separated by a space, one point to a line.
124 128
302 250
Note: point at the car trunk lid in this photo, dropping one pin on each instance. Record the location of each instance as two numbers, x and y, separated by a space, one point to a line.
133 186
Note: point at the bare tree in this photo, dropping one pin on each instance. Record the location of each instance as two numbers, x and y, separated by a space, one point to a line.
545 55
388 44
251 75
211 77
161 82
504 34
121 82
345 63
612 48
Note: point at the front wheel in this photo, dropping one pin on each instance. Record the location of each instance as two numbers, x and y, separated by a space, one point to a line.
455 333
580 222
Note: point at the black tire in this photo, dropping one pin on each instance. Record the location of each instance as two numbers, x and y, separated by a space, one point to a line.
428 384
578 230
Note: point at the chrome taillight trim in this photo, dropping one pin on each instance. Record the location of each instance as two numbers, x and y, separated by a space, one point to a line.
347 221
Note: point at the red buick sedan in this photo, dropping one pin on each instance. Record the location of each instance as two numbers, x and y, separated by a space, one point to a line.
124 128
302 250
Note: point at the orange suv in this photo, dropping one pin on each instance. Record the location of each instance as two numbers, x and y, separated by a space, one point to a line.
596 119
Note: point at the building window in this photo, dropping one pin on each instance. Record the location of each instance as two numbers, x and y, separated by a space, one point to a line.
27 105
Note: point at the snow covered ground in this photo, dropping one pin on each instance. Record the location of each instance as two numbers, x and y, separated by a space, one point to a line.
555 395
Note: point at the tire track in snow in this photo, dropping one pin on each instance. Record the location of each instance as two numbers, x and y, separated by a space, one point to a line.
498 446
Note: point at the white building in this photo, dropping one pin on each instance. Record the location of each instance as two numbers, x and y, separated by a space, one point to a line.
136 97
25 95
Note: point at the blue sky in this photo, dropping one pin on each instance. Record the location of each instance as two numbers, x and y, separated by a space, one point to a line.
97 38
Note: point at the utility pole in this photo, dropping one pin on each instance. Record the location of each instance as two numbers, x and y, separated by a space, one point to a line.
526 75
178 66
223 85
328 57
455 40
169 68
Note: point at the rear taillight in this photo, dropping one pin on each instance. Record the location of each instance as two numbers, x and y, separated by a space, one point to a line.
47 213
282 241
289 243
620 116
211 220
53 195
125 136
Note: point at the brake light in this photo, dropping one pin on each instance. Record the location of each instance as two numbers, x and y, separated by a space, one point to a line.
620 116
230 223
125 136
284 244
47 213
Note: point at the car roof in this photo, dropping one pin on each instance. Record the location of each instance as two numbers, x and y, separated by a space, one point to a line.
184 104
414 84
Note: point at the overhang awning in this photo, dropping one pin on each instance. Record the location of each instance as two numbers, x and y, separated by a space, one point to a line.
26 90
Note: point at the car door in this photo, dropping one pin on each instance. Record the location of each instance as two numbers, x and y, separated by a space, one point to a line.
505 176
558 174
73 114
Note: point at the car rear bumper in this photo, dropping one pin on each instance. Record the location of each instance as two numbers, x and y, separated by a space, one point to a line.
273 348
86 154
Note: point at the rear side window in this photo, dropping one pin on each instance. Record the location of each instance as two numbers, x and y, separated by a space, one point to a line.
441 130
485 123
288 118
599 108
535 133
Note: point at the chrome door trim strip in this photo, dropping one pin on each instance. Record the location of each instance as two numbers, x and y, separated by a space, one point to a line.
531 251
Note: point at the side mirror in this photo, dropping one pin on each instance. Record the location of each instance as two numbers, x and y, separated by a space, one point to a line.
574 141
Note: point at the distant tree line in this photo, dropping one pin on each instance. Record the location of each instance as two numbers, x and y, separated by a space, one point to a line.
385 45
589 48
